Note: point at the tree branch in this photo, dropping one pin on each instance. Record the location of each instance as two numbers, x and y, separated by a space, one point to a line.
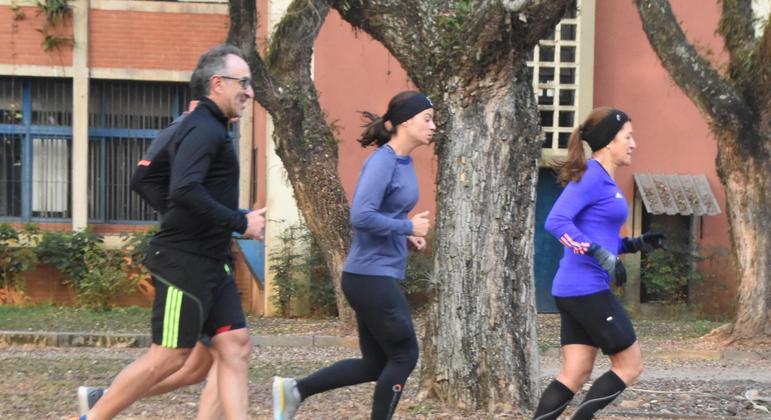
716 99
498 27
242 33
243 25
291 46
736 26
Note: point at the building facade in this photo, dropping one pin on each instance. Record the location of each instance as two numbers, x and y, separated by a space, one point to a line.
76 115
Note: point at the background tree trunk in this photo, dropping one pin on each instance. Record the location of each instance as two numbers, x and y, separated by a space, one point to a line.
748 201
304 142
737 106
480 347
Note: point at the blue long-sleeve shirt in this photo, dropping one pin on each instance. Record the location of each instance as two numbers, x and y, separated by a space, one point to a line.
591 210
386 192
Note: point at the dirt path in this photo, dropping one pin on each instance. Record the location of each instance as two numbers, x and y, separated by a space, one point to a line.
40 383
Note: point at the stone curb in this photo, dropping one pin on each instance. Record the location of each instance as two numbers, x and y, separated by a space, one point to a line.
80 339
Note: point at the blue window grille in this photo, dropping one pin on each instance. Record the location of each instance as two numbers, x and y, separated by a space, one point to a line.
124 117
35 144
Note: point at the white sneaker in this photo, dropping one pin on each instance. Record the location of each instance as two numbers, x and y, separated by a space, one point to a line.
88 396
286 398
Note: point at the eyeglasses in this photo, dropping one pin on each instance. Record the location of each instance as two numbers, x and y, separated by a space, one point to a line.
245 82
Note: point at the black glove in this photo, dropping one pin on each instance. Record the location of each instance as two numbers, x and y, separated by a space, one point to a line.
647 242
609 263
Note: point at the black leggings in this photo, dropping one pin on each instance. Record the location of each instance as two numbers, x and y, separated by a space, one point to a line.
389 348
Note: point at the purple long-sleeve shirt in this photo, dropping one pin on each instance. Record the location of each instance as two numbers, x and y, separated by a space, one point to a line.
591 210
387 190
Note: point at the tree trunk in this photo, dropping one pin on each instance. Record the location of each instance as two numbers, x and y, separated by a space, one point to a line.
308 150
304 142
480 344
748 201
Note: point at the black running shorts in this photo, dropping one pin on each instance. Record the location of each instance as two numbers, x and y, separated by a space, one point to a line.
596 320
194 295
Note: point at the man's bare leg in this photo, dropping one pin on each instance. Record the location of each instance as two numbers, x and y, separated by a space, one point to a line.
209 407
234 349
194 371
132 383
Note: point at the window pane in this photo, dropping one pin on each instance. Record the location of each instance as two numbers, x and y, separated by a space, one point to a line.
572 11
567 97
546 75
547 119
51 168
563 139
546 97
547 140
567 75
568 32
546 53
567 54
135 105
10 175
10 100
51 101
566 119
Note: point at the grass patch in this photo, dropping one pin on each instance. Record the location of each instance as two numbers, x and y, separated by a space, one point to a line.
67 319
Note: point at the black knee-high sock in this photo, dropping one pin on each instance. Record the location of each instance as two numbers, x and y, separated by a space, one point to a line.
554 399
604 390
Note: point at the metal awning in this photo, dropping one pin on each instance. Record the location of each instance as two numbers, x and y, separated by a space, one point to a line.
672 194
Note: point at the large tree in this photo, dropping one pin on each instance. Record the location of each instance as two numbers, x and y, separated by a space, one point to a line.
736 103
304 142
470 58
480 347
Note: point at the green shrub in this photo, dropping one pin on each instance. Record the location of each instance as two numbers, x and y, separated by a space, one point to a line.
286 266
300 275
419 274
666 273
320 289
96 274
67 252
135 247
15 255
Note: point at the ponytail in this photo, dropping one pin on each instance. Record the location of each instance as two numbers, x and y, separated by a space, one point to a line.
401 107
573 168
375 130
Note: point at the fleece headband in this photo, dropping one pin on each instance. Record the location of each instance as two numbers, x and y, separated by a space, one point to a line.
407 109
599 135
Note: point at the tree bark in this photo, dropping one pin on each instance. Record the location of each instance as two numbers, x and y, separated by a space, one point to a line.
738 108
480 347
304 142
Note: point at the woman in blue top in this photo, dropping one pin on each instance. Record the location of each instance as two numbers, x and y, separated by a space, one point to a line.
386 192
586 219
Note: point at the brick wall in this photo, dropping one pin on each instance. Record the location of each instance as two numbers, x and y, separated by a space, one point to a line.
24 44
126 39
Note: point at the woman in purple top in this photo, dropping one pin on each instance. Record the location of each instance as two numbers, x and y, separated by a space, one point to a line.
586 219
386 192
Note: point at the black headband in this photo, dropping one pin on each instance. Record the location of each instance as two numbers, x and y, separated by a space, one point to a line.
600 134
407 109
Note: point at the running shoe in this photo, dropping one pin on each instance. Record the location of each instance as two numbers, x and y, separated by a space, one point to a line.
88 396
286 398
